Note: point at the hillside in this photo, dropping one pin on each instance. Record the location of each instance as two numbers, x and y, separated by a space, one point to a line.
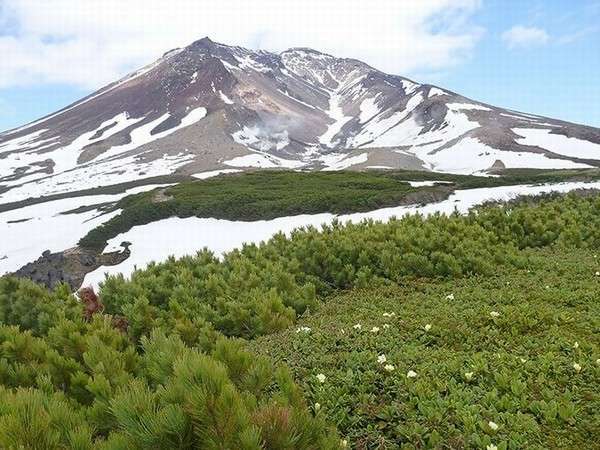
432 364
77 239
155 361
211 108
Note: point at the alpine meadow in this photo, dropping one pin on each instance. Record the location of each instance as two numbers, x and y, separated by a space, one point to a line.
327 226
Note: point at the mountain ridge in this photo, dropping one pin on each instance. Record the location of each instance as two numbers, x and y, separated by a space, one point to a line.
209 106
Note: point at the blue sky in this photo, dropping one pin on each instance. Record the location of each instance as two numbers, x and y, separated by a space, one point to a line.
537 56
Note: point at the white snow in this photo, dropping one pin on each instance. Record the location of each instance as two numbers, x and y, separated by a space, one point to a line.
214 173
26 141
106 173
336 113
110 167
470 156
518 117
225 99
341 161
401 134
435 91
47 229
254 160
558 143
391 130
468 106
246 62
369 109
178 237
65 158
379 167
426 183
409 86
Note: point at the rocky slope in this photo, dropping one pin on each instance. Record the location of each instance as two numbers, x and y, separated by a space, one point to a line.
209 108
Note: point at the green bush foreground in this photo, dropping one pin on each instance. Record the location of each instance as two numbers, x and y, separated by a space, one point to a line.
178 378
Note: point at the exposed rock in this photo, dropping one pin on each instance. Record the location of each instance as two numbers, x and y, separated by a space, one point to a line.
498 165
69 266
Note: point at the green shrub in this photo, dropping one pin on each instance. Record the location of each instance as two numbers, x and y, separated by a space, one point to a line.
173 374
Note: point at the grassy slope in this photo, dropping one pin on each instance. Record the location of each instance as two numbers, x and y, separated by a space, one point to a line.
177 313
538 402
263 195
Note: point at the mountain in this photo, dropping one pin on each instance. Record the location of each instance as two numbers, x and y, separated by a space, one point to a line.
211 108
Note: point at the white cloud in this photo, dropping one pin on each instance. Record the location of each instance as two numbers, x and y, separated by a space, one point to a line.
521 36
92 42
570 38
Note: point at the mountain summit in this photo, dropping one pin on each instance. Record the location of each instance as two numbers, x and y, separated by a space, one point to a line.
213 107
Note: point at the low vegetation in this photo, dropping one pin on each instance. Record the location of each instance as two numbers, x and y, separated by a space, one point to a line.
507 360
157 361
266 195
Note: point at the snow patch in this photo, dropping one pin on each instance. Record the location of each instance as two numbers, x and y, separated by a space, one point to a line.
214 173
467 106
470 156
254 160
368 109
225 99
389 131
341 161
425 183
435 91
48 229
179 237
336 113
558 143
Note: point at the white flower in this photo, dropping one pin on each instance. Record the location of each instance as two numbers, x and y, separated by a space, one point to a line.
321 378
343 331
493 425
577 367
598 274
317 406
598 361
344 443
469 376
386 326
411 374
495 314
427 327
491 447
303 330
389 367
547 287
523 360
450 297
375 330
576 345
358 326
385 314
381 359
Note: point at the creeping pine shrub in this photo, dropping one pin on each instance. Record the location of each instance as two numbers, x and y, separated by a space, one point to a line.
174 377
261 289
85 384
